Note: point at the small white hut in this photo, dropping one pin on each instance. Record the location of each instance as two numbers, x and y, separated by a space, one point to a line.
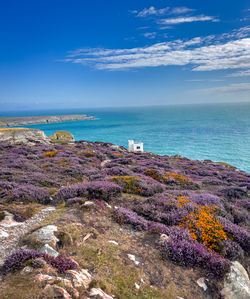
135 146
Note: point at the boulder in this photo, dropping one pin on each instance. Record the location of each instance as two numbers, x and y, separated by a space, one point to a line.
236 283
99 294
201 283
45 235
80 278
54 291
23 136
3 234
44 279
49 250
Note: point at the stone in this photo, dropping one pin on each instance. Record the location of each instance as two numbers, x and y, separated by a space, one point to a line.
108 206
46 235
88 203
26 270
54 291
113 242
132 258
201 283
23 136
49 209
236 283
67 284
164 237
9 221
49 250
79 278
3 234
99 294
44 279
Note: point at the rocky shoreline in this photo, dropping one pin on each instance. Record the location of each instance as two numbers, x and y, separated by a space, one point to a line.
37 120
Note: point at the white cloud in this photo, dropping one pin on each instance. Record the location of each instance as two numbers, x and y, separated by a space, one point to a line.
235 87
180 20
209 53
180 10
245 73
150 35
152 11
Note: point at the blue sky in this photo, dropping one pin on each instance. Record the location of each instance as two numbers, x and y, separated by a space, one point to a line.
89 53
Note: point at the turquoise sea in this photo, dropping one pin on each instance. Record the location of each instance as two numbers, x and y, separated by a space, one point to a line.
219 132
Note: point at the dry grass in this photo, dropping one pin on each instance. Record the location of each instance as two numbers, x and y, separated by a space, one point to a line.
108 263
16 286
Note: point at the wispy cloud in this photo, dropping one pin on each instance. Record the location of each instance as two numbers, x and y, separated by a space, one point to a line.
245 73
201 53
180 10
152 11
150 35
234 87
180 20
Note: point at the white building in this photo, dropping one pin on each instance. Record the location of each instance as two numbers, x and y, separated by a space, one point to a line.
135 146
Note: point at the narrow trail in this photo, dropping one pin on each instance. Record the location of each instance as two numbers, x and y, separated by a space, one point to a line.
11 231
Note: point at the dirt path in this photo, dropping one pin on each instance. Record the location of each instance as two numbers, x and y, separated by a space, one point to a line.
11 231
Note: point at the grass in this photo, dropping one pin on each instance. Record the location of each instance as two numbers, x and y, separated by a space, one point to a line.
109 264
18 286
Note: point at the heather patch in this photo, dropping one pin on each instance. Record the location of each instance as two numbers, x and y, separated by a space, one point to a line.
98 189
18 259
138 184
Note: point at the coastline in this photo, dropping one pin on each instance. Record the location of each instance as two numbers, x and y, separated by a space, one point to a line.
6 122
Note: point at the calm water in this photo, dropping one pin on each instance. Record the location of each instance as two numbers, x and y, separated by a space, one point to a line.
218 132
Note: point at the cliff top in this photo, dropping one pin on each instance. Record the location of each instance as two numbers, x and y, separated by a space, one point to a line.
143 225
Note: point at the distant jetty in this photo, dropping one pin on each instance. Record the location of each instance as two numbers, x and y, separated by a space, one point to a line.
37 120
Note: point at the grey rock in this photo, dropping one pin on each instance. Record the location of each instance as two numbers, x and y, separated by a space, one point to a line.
23 136
236 283
49 250
201 283
46 235
88 203
9 221
26 270
3 234
94 292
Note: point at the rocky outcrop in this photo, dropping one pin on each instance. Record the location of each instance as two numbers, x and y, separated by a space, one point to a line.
49 250
36 120
23 136
45 235
236 283
67 285
63 136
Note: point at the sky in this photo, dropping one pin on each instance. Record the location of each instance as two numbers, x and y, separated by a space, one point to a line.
112 53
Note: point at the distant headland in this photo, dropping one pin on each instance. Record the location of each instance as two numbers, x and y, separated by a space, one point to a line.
37 120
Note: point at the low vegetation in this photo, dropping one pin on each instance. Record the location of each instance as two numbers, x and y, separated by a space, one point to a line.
181 217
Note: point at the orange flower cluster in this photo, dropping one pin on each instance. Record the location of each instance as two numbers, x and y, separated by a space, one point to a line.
205 228
178 178
182 202
50 154
154 174
89 153
118 154
128 183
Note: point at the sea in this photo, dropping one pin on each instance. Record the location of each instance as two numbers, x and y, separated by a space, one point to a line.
219 132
